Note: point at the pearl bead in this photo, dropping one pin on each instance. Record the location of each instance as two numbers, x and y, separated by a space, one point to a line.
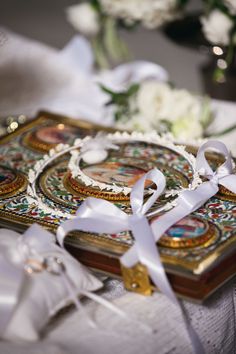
94 156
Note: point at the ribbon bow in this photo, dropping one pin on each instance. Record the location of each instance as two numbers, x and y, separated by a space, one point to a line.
189 201
224 173
101 216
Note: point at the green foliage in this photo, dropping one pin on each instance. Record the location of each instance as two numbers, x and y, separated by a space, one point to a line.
209 5
182 3
121 100
96 5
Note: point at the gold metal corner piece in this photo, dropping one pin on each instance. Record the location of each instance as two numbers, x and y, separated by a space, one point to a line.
136 279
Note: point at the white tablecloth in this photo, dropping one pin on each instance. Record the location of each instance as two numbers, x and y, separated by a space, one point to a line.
33 77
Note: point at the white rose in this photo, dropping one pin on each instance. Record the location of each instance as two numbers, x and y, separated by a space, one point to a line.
161 13
154 101
217 27
231 4
184 103
137 122
187 128
84 18
152 13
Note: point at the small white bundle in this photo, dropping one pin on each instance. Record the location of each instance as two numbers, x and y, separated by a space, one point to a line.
37 279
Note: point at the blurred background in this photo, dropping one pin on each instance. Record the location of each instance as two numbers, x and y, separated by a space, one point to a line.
45 21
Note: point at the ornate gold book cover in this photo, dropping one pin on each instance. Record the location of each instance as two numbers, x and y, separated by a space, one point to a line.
198 253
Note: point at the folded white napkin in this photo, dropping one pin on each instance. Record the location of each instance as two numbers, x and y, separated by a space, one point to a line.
34 76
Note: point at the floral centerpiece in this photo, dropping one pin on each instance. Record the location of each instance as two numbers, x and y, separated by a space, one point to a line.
154 105
151 104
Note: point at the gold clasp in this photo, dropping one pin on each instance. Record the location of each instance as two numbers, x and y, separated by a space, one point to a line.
136 279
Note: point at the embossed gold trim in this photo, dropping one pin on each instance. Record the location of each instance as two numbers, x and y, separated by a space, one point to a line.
82 190
17 186
31 141
178 242
225 194
43 186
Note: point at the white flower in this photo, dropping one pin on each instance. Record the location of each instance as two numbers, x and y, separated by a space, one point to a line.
217 27
157 101
84 18
231 4
186 114
137 123
184 103
154 100
152 13
187 128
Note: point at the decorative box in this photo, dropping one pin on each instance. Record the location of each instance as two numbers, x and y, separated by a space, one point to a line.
199 253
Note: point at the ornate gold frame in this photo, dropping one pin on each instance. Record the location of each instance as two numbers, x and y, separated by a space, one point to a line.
93 242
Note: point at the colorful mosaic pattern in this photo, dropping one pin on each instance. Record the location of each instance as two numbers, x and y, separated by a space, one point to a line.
11 182
126 165
218 215
58 186
48 136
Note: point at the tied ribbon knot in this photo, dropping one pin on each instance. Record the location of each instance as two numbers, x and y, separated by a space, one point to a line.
191 200
101 216
224 173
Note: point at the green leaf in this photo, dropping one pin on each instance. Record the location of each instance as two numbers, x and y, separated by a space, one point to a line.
107 90
132 89
222 132
120 98
96 5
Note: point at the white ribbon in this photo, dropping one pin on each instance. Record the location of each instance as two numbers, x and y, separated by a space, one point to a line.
96 215
100 216
36 248
191 200
188 202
